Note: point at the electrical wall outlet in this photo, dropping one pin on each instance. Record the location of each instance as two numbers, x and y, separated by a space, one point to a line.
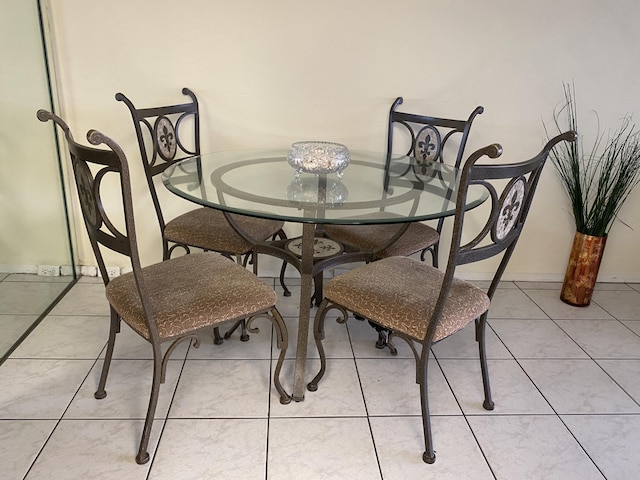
113 272
49 270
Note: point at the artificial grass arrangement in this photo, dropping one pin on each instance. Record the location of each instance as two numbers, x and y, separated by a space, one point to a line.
599 181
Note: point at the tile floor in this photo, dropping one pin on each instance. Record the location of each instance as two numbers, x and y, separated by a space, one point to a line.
23 298
566 382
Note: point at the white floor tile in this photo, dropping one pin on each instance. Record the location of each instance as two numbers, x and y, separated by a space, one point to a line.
104 449
74 336
20 443
554 308
603 338
12 328
531 447
623 305
28 298
390 388
223 389
509 303
536 339
211 449
611 441
512 391
578 386
128 390
83 299
626 373
463 345
39 389
338 393
400 444
321 448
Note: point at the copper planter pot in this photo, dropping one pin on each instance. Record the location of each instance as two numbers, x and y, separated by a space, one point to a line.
582 269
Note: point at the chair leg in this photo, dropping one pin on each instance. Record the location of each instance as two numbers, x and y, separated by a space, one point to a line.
318 289
318 335
287 292
244 336
282 236
383 338
429 455
143 455
113 331
282 341
480 338
217 338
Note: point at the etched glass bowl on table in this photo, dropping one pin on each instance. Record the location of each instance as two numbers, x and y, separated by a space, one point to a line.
318 157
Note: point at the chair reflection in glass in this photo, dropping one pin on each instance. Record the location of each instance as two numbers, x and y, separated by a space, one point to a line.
166 135
423 305
168 302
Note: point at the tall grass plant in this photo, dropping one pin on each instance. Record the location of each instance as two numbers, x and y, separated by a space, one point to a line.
597 181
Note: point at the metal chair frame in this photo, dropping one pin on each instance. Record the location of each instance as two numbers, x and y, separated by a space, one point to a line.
504 223
90 167
160 156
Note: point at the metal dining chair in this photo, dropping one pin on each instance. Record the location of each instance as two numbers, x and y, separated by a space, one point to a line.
168 302
421 304
166 135
428 139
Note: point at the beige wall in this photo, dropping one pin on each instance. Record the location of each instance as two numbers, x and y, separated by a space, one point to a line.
269 73
33 229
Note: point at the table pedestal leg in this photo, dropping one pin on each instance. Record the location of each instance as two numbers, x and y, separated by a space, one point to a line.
308 238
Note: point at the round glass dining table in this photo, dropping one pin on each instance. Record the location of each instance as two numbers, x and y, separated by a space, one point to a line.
373 189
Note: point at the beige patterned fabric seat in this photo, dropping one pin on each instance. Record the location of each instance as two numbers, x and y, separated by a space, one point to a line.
416 237
189 293
208 229
171 301
400 293
422 305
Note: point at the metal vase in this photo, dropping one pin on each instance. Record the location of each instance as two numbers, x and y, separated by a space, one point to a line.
582 269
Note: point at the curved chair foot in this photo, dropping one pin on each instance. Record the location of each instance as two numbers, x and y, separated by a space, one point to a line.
383 341
142 458
100 394
244 336
426 458
285 399
312 387
488 404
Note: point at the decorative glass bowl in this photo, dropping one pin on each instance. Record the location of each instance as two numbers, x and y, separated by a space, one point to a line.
318 157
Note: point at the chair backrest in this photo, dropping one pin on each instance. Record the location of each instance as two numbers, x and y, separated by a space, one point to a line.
94 170
166 134
428 140
428 137
511 187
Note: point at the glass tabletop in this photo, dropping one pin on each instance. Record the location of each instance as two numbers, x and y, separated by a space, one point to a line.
261 183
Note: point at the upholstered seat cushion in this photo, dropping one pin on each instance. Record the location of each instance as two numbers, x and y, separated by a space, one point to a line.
369 237
208 228
400 294
190 292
